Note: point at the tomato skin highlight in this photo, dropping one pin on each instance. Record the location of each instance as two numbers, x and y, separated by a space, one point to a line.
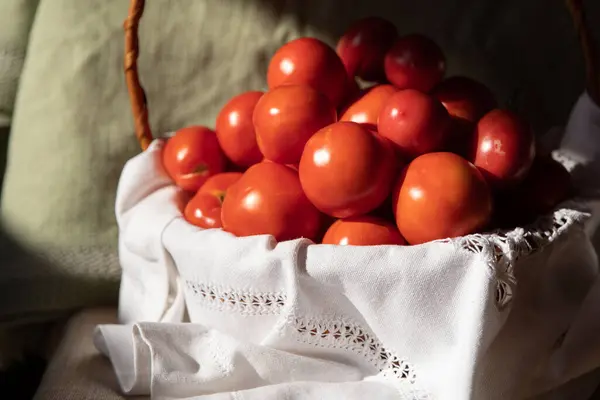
192 156
286 117
365 109
415 122
268 200
235 130
204 209
504 148
346 170
439 196
310 62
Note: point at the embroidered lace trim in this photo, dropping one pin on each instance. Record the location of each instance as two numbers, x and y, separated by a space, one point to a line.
243 302
504 248
349 336
338 334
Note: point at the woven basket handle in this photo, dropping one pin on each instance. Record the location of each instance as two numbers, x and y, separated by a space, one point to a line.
137 96
139 105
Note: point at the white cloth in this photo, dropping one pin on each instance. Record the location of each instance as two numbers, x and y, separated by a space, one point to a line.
494 316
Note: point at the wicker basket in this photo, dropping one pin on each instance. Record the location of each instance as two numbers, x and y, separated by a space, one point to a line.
316 300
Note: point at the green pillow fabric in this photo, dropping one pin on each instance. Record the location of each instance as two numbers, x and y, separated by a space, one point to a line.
73 131
16 17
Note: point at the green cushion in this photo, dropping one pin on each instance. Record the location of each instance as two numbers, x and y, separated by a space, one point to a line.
16 17
73 131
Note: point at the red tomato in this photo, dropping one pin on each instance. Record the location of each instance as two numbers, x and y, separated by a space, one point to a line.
504 148
441 195
415 122
466 101
217 185
346 170
366 109
204 209
363 47
286 117
415 62
363 231
191 156
465 98
268 200
309 61
235 130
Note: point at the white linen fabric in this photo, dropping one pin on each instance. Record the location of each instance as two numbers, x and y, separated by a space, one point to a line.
505 315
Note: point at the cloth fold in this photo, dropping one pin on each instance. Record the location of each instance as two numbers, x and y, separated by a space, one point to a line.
192 360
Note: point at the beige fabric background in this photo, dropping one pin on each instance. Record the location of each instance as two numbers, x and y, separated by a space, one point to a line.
72 129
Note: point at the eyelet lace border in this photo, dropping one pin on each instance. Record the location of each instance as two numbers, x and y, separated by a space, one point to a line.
339 334
504 248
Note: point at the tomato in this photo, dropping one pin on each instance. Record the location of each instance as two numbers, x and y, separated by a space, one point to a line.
441 195
191 156
235 130
286 117
363 231
415 62
363 46
466 101
309 61
268 200
346 170
365 110
465 98
545 187
504 148
415 122
204 209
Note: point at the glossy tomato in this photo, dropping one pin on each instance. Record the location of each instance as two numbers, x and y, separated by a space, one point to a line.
441 195
346 170
363 231
268 200
235 130
309 61
204 209
504 148
286 117
363 46
366 109
191 156
415 62
415 122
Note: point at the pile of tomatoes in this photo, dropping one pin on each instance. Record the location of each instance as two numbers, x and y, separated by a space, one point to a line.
412 157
